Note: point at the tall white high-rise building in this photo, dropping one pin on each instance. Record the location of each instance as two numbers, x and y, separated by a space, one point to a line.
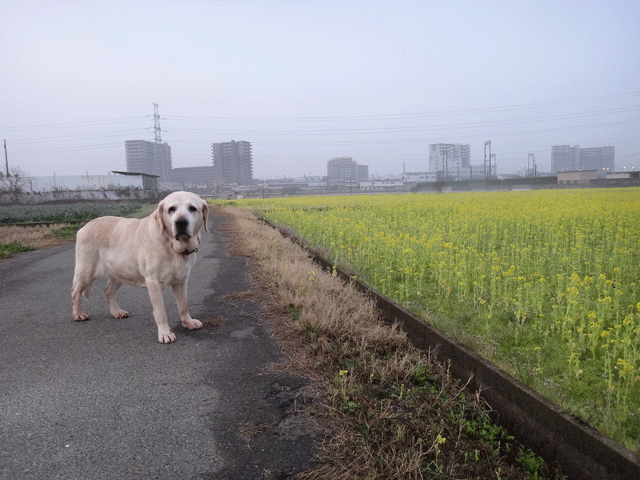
342 168
232 163
565 158
346 169
149 157
449 156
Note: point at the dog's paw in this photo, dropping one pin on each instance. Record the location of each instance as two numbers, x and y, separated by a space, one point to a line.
80 317
192 324
120 314
166 336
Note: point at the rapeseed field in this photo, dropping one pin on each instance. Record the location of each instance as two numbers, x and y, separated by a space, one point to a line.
544 283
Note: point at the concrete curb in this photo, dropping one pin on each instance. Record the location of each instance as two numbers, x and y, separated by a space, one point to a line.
582 451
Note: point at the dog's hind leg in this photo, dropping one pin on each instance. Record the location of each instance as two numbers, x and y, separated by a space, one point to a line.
110 292
85 272
81 284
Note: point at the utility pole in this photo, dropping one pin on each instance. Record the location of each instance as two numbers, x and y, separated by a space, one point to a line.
445 163
158 169
487 144
531 157
156 123
6 159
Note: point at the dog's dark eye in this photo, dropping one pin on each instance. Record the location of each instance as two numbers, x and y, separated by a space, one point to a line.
192 209
172 209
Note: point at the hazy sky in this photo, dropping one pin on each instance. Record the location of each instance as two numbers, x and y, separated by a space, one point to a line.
305 81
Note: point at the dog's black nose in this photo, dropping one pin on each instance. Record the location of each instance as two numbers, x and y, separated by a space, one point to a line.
181 225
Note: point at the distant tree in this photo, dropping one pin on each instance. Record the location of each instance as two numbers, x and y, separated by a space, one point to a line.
12 186
439 185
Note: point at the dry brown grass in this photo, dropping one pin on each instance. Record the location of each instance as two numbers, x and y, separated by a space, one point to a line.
15 239
248 296
25 235
389 410
211 324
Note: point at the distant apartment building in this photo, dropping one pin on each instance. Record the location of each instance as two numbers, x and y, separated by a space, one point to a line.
363 172
565 158
449 158
601 159
149 157
345 169
232 163
342 168
193 176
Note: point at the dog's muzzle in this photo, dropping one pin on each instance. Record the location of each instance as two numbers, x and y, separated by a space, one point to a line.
182 230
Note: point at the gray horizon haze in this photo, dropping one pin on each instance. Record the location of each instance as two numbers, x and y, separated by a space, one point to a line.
306 81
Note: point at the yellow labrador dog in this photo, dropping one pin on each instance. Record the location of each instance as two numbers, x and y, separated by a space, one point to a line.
151 252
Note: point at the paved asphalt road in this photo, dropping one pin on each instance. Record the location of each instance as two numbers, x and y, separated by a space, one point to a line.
103 399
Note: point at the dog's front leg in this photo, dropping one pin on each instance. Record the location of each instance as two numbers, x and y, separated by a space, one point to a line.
180 292
165 335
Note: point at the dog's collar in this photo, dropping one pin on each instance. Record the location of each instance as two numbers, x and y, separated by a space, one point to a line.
187 252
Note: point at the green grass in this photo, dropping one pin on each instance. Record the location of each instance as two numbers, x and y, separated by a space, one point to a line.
68 232
9 249
65 212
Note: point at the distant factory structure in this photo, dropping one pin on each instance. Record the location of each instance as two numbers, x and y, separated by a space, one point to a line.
231 166
194 177
452 162
565 158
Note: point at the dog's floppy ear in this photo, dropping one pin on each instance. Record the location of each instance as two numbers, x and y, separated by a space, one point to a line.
205 215
158 217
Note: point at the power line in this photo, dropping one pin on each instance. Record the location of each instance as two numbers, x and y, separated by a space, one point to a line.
400 140
346 142
408 115
484 123
78 123
425 129
71 149
81 136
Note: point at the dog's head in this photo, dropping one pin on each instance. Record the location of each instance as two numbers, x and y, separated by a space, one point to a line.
180 216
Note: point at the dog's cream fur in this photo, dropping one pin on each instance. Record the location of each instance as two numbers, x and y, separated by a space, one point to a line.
151 252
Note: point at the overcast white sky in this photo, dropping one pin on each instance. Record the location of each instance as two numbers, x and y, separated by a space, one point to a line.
305 81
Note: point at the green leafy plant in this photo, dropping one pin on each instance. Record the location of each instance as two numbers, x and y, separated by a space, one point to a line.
9 249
